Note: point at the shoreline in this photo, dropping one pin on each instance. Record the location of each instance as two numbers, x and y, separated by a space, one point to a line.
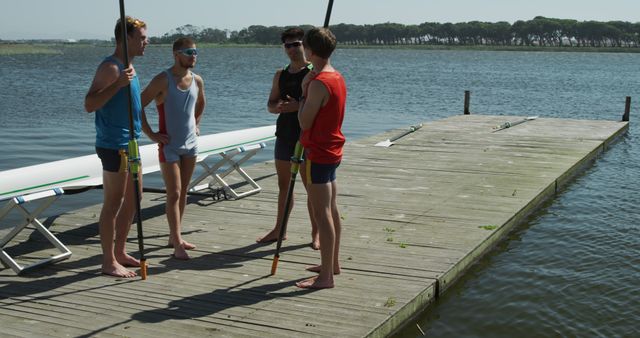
29 48
7 49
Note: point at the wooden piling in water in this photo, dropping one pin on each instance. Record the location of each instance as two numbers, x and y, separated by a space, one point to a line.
627 109
467 98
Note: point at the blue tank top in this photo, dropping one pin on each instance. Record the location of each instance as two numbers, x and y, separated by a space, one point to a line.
112 119
177 114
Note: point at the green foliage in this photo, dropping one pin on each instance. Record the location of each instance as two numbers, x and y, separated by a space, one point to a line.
199 34
540 31
488 227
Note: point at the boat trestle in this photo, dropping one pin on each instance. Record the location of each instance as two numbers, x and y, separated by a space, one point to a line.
31 218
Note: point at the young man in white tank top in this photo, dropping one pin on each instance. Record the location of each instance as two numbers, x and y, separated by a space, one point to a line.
179 97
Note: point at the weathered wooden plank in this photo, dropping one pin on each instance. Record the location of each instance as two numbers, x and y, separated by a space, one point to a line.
415 217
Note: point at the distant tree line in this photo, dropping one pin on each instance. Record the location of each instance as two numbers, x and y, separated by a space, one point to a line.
539 31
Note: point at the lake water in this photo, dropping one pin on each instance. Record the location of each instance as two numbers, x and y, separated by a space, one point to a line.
572 270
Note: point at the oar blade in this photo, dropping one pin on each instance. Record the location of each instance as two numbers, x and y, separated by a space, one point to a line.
390 141
386 143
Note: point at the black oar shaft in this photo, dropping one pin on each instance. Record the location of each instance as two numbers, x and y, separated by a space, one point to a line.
295 166
405 133
133 157
327 16
125 60
511 124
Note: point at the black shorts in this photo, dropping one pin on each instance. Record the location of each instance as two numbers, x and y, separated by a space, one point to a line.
319 173
113 160
284 149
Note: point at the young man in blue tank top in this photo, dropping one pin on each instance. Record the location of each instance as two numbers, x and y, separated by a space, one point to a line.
180 100
283 101
107 97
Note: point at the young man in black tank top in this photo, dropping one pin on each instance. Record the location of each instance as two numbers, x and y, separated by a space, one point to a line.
283 100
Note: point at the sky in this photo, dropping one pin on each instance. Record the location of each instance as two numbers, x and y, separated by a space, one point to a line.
95 19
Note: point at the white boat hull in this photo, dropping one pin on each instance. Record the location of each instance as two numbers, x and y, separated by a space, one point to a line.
86 171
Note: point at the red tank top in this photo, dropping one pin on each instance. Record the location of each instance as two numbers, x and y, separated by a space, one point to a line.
324 140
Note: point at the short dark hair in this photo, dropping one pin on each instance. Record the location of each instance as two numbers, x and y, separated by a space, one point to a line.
292 33
321 42
132 23
182 42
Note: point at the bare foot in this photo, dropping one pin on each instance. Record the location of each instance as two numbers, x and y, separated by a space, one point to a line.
270 237
117 270
185 244
315 283
315 244
316 269
128 261
180 253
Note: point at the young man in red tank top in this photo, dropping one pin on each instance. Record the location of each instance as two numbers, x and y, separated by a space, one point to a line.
324 95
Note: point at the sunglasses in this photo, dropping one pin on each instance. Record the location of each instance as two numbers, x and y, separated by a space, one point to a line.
292 44
188 51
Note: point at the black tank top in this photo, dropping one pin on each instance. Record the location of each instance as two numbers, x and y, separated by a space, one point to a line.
287 126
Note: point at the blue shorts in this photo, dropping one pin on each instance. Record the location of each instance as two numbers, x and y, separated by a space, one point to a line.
284 149
318 173
113 160
170 155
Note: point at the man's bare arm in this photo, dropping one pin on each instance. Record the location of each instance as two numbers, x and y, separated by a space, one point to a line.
153 91
200 103
106 83
274 96
316 96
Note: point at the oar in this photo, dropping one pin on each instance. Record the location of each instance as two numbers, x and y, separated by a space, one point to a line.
327 16
134 153
295 166
512 124
389 142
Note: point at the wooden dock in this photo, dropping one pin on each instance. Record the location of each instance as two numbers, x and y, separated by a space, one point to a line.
415 216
